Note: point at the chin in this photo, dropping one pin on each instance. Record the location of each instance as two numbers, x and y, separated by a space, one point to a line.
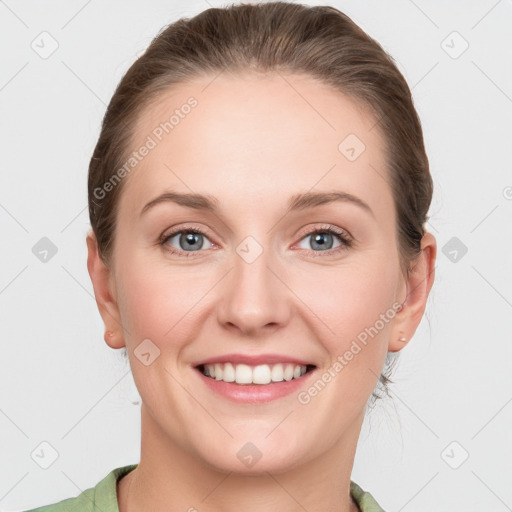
251 459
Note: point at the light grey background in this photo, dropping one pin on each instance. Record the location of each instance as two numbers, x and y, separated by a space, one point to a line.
61 384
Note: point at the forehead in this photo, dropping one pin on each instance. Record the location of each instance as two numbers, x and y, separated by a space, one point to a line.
243 137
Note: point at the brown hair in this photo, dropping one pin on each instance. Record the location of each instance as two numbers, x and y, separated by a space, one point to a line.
319 41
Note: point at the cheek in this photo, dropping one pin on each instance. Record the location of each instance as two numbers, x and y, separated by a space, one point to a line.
349 303
354 310
155 302
157 305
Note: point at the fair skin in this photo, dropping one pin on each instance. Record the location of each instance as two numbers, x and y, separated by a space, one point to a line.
252 143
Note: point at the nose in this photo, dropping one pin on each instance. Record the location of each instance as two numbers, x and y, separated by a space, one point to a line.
255 297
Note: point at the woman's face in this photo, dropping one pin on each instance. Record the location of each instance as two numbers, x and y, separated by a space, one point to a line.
255 281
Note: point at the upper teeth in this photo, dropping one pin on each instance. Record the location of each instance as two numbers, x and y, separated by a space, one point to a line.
260 374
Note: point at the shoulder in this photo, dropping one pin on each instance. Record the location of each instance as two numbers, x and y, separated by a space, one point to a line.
83 503
102 497
365 501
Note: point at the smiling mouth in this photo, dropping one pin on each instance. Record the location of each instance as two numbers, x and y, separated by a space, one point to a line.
258 374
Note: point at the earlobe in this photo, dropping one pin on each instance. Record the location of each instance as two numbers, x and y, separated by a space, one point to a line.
104 293
418 286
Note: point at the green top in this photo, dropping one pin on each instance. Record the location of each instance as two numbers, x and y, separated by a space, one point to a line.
103 497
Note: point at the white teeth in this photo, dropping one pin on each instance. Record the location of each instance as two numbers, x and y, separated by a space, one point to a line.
243 374
288 372
277 373
229 373
260 374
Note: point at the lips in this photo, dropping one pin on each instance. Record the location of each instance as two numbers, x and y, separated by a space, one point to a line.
241 392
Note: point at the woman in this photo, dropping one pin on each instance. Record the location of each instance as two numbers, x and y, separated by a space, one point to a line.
257 196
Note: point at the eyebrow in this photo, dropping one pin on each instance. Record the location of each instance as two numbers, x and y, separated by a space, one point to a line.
297 202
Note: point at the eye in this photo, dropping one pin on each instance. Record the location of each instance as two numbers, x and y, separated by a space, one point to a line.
323 238
188 240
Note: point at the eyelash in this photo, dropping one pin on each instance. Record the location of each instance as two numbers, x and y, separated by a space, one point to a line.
343 237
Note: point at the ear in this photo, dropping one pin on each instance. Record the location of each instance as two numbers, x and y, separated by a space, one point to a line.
417 288
104 292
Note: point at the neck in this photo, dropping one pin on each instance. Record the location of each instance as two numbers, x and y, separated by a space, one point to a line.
169 478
